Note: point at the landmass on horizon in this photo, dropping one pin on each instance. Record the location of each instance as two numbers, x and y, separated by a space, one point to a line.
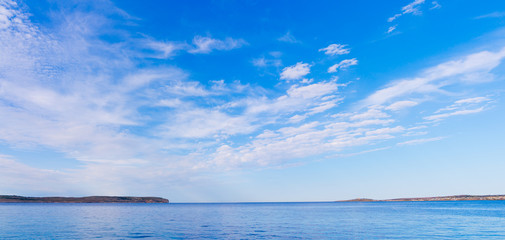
442 198
89 199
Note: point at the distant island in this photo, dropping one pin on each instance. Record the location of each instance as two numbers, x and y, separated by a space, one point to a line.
90 199
425 199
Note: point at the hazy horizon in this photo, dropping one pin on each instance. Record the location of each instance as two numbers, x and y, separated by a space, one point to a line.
252 101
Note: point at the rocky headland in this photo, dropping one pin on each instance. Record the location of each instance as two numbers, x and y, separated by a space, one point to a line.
90 199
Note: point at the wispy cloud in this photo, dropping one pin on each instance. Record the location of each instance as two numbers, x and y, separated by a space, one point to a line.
476 67
420 141
204 123
302 141
264 62
472 100
335 49
151 48
344 64
455 113
297 99
288 37
162 49
392 29
411 8
399 105
208 44
435 5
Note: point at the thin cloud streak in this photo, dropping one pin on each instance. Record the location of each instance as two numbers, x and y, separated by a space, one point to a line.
420 141
342 65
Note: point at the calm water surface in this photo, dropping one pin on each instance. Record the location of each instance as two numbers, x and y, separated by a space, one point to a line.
377 220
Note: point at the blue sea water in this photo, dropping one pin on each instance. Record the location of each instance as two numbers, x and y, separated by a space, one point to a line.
338 220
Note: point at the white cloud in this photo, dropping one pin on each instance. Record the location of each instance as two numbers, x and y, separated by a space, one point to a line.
335 49
297 98
208 44
296 71
411 8
275 147
344 64
464 103
193 122
289 143
483 61
434 78
396 106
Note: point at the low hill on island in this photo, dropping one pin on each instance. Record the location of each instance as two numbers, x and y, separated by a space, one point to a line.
90 199
443 198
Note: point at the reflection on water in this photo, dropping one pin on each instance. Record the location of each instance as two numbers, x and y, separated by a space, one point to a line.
375 220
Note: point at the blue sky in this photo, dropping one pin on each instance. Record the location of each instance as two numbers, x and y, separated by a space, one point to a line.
252 100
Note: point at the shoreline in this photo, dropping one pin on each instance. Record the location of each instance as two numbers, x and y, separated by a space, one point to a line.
432 199
88 199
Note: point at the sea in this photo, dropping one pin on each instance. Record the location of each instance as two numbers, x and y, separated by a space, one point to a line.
314 220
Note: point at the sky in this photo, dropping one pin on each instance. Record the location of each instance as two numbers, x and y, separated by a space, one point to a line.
252 101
